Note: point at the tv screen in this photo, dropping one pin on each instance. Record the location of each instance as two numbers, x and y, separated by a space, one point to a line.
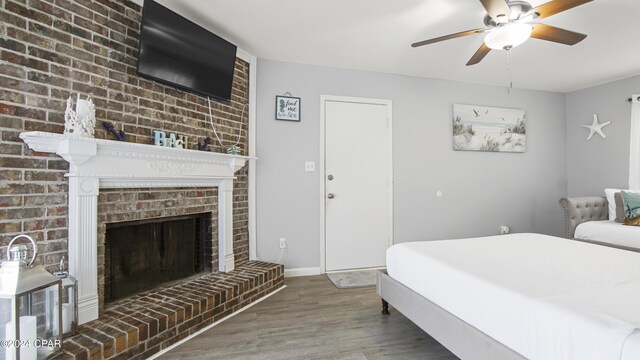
175 51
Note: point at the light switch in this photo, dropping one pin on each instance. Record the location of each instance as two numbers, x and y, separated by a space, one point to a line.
309 166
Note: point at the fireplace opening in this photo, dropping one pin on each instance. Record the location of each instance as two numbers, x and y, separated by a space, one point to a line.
140 255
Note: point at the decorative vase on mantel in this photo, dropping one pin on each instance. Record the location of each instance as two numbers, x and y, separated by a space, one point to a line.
80 122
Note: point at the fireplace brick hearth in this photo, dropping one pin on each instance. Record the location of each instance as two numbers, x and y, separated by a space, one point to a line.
142 325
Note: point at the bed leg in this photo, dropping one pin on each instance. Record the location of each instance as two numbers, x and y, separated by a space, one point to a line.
385 307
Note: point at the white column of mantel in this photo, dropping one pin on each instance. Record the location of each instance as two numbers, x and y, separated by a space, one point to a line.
225 226
83 243
83 225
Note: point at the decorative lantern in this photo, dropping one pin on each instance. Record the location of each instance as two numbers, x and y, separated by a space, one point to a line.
27 305
69 301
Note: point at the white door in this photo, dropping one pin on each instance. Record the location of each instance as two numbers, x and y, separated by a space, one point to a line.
357 182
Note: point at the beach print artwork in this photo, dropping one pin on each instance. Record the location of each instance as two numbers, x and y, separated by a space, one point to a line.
482 128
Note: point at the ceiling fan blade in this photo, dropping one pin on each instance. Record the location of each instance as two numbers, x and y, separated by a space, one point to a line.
552 33
479 55
557 6
447 37
496 8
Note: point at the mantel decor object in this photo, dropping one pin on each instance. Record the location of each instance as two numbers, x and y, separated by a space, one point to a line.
233 150
287 108
80 122
30 304
160 138
202 146
118 135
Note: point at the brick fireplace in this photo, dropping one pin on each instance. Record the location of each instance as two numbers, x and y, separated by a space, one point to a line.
96 164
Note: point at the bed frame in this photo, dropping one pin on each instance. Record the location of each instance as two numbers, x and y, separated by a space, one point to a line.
582 209
462 339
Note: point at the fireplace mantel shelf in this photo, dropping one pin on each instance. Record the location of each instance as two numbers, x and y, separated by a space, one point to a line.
99 163
121 164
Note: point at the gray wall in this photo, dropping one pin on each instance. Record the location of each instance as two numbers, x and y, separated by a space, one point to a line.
599 163
481 191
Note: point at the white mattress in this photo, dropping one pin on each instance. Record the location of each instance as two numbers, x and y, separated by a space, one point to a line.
542 296
609 232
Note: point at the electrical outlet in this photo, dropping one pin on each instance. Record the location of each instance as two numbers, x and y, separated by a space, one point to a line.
309 166
283 243
504 229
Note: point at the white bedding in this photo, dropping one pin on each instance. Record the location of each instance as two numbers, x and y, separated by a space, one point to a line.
542 296
609 232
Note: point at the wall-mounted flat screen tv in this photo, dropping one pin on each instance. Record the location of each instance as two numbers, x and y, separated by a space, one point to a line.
175 51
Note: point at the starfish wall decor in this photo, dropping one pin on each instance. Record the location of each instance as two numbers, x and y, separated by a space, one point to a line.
595 127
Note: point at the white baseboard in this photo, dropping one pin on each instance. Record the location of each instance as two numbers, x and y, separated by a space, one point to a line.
302 272
358 269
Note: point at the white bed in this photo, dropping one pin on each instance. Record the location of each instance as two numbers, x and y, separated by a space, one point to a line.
609 232
543 297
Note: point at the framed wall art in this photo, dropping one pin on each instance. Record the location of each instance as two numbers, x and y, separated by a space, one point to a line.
483 128
287 108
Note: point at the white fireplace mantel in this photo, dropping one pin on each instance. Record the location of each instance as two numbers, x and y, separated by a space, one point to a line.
98 163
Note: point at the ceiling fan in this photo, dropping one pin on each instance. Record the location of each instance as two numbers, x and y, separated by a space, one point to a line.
508 24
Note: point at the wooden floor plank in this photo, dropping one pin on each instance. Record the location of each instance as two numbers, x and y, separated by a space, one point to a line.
311 319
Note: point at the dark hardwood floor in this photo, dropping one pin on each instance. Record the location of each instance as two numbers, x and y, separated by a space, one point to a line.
311 319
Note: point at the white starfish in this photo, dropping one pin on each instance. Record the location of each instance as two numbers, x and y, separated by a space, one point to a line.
596 128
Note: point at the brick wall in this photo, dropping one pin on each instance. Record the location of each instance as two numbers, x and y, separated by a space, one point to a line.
50 49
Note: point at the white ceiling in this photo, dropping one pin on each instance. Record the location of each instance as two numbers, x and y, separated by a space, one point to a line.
375 35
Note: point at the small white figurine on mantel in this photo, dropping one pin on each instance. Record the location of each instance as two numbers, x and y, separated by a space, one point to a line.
595 127
82 121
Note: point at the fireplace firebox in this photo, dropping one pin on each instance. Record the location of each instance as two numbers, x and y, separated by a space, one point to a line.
140 255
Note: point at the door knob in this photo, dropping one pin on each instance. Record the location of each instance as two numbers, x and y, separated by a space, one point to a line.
330 196
330 177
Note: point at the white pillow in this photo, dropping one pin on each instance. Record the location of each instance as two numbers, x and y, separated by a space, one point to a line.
611 199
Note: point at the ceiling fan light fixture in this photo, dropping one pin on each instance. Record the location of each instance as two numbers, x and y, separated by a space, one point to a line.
508 36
